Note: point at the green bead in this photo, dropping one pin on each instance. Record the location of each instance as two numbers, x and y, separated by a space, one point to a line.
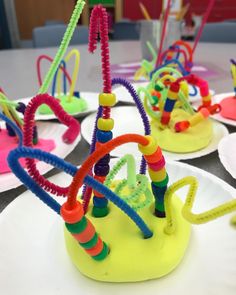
100 212
103 253
155 100
163 182
78 227
160 206
158 87
90 244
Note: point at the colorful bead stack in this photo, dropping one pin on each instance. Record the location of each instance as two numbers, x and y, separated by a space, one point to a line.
157 172
103 135
84 232
172 96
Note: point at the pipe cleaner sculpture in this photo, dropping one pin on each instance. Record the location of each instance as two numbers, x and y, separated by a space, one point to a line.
146 228
71 101
179 55
228 104
174 122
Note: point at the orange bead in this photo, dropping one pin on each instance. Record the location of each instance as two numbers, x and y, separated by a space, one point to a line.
87 234
73 215
96 249
97 194
155 157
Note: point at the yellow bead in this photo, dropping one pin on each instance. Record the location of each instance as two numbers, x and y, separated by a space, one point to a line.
207 98
157 176
150 148
172 95
105 124
195 119
107 99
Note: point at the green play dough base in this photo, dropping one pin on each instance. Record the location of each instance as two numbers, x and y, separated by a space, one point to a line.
77 105
133 258
194 139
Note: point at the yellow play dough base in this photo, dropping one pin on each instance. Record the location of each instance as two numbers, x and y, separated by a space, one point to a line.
133 258
194 139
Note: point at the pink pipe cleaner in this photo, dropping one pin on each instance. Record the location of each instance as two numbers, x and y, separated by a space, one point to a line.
69 136
40 58
99 24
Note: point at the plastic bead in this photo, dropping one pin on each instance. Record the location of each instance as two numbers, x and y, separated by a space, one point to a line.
169 105
97 249
91 243
150 148
103 254
87 234
100 212
172 95
162 183
105 124
155 157
101 170
73 215
158 165
207 98
165 118
76 94
107 99
197 118
104 136
157 176
204 112
157 190
99 202
99 178
182 126
105 160
77 227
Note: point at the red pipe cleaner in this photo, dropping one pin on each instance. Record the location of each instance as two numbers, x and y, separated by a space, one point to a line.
94 157
163 33
40 58
69 136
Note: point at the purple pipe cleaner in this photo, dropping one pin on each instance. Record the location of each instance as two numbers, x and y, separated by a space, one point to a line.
141 110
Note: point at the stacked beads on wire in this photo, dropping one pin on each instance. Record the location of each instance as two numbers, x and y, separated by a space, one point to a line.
157 172
103 135
84 232
170 103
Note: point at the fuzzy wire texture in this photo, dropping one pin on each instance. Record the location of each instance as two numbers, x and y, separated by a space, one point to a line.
63 47
141 110
69 136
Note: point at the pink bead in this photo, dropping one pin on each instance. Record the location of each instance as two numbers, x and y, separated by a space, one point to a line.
157 166
205 112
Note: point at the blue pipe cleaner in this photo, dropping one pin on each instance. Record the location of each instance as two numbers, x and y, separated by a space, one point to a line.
63 64
17 130
17 169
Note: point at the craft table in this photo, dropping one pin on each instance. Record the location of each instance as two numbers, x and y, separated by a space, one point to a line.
19 79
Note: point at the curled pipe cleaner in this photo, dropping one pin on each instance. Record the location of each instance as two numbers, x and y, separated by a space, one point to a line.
13 160
99 24
14 127
94 157
40 58
178 51
64 45
69 136
141 110
63 64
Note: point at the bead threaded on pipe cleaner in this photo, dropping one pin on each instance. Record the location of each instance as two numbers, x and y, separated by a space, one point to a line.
23 152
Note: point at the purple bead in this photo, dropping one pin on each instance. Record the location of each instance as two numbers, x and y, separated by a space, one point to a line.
101 170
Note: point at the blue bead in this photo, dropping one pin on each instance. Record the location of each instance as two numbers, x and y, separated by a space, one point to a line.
169 105
76 94
100 202
101 170
104 136
10 130
158 192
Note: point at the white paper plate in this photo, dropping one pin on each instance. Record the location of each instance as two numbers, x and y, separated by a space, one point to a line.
90 97
217 99
47 131
123 95
127 120
226 150
34 259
